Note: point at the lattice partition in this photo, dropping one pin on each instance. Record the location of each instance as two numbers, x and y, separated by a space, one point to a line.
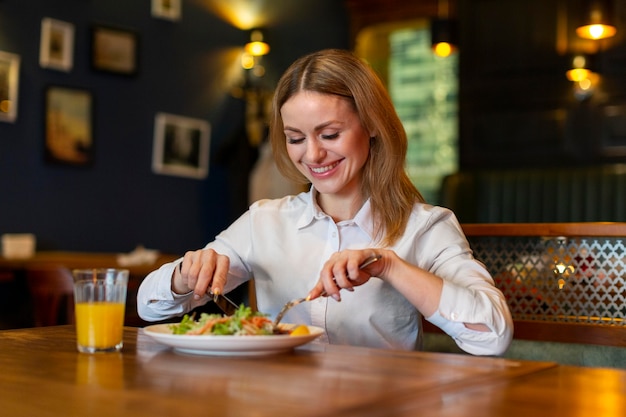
559 279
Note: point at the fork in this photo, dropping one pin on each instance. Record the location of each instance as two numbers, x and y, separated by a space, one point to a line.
297 301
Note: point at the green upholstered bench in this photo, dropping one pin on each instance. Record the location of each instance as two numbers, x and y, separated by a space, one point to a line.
578 354
576 194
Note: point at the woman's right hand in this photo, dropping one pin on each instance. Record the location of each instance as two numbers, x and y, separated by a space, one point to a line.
203 271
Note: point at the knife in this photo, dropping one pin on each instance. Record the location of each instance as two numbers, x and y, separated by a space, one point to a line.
224 303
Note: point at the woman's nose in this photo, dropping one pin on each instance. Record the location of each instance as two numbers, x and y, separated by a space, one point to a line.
315 151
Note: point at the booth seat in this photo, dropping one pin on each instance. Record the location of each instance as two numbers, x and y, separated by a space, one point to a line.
576 354
565 284
566 194
561 202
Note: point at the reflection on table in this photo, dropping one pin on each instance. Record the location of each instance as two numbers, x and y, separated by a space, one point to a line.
149 379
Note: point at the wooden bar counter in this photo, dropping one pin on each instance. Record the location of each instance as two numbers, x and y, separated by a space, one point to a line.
43 375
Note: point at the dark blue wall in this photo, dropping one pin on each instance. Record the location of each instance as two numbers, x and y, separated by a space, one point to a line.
118 202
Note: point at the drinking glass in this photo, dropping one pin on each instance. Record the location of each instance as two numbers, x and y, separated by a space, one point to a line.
100 300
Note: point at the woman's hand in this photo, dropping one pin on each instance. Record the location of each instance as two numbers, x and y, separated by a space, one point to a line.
343 271
202 271
420 287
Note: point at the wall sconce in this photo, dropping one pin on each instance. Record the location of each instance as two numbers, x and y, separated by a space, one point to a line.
578 70
444 32
254 50
256 94
257 45
584 79
597 23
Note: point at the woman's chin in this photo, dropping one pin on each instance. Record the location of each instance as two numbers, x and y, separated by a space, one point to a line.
326 188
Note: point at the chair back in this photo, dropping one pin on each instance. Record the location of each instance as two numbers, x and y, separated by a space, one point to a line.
51 289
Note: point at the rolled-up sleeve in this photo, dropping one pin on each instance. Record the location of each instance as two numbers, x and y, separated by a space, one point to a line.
461 305
468 294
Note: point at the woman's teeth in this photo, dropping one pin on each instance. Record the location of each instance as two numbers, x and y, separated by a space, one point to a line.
321 170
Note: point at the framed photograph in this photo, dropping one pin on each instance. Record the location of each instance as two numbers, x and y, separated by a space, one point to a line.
9 81
68 137
114 50
166 9
56 48
181 146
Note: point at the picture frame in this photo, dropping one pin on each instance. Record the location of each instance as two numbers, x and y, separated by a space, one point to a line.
181 146
114 50
56 47
69 126
9 86
167 9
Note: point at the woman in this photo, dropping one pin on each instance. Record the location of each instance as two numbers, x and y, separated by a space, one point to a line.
335 127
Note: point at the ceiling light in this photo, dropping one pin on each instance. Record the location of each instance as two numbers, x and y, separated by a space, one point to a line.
597 24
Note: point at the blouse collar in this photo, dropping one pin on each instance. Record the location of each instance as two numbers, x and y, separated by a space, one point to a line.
313 212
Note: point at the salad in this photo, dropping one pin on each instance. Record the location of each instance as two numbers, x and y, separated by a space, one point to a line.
244 322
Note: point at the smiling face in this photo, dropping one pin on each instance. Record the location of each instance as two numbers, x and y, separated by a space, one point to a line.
327 143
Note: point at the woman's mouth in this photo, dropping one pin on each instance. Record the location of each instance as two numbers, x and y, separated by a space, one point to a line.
323 169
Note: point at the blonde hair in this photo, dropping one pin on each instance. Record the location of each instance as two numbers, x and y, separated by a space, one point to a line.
385 182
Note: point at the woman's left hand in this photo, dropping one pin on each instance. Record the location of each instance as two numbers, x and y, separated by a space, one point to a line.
343 271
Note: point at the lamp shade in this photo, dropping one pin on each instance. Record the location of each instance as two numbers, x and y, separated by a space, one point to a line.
444 36
257 45
578 69
597 23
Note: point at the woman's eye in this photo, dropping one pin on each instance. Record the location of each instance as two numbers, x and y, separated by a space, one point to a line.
331 136
294 141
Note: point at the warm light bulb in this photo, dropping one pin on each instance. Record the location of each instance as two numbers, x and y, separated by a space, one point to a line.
585 84
579 61
560 268
257 48
247 61
596 31
443 49
577 74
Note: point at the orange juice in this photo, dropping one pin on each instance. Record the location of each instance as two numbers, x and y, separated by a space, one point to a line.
99 325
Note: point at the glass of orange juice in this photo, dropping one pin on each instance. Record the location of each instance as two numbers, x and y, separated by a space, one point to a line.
100 300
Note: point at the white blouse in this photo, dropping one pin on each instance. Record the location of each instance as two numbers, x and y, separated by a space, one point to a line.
283 244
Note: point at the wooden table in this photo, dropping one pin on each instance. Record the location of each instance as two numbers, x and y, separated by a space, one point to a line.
43 375
77 260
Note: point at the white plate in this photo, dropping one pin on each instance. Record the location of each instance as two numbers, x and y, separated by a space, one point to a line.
229 345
